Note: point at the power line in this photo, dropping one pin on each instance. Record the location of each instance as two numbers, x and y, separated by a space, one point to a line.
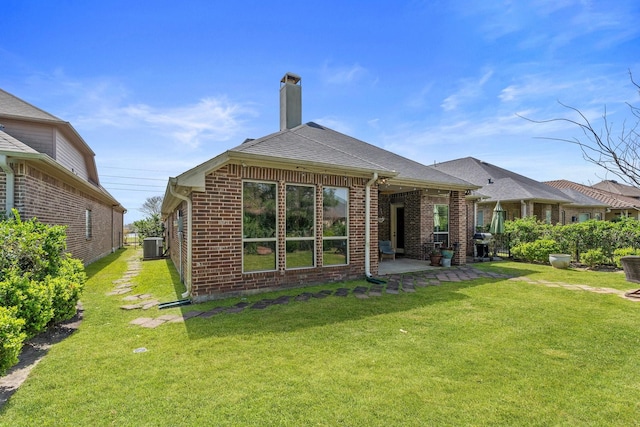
136 185
136 177
130 169
130 189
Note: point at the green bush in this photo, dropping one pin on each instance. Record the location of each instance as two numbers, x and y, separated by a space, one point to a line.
619 253
66 288
594 257
32 300
11 338
37 277
575 238
536 251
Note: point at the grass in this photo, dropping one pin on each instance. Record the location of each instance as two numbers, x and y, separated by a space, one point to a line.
483 352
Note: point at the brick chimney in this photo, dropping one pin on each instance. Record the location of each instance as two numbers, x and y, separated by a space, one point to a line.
290 101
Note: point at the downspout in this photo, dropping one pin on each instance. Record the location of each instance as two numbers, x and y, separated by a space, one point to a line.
367 224
187 281
10 184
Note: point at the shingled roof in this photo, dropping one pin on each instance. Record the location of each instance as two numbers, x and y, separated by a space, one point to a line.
501 184
12 106
316 144
617 188
11 145
612 200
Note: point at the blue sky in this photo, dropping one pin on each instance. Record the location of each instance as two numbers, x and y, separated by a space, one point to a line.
158 87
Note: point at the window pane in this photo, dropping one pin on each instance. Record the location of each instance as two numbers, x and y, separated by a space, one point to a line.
300 253
334 206
259 209
259 256
441 218
584 217
480 222
334 252
300 211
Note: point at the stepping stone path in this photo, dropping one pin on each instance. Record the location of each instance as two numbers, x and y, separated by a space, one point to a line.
396 284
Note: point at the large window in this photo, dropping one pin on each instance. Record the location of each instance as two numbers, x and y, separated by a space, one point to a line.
300 225
335 212
441 224
259 225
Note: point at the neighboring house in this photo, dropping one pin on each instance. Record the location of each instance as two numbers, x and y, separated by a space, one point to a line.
48 171
304 205
616 205
519 196
617 188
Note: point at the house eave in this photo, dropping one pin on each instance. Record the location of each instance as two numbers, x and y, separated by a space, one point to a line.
58 171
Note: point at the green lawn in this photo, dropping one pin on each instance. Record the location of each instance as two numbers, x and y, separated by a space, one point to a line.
484 352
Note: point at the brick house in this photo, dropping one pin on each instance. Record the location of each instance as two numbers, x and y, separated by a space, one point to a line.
48 171
519 196
616 205
301 206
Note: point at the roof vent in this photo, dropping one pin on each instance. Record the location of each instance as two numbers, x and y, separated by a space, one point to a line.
290 101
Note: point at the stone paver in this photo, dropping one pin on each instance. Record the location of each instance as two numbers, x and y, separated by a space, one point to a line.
395 284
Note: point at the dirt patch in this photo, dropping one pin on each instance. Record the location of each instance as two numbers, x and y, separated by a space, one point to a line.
33 351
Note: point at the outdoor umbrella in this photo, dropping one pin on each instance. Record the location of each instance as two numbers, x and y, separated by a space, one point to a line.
497 220
497 225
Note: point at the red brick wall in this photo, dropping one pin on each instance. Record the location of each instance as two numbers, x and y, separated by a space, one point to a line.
418 209
458 225
53 201
217 234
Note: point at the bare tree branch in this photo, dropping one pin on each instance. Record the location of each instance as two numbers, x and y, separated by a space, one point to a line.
617 153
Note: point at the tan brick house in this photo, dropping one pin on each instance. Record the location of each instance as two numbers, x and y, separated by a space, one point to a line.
519 196
48 171
304 205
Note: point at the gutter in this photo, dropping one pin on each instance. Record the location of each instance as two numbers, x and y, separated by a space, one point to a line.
10 184
367 224
187 280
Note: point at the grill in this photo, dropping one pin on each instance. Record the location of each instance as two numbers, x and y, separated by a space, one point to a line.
482 242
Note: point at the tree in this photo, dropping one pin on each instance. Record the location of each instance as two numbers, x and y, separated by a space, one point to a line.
149 227
617 152
152 206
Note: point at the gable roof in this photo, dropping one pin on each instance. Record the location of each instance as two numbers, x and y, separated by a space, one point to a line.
317 148
9 144
501 184
326 147
617 188
612 200
12 106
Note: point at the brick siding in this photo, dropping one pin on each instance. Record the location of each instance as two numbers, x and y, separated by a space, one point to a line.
217 234
53 201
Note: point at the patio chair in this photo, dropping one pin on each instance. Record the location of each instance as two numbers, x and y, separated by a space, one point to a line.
386 250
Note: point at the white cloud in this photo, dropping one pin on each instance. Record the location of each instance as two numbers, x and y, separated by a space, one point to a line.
342 74
470 89
209 119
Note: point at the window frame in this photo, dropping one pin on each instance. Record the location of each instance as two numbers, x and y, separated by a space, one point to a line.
344 238
88 224
273 239
311 238
438 235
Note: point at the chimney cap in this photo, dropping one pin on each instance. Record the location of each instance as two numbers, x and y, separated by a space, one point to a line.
290 78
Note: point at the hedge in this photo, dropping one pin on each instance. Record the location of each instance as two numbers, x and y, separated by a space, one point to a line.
39 282
593 241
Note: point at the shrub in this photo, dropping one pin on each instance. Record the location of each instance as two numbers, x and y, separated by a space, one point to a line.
619 253
66 289
537 251
32 300
11 338
594 257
